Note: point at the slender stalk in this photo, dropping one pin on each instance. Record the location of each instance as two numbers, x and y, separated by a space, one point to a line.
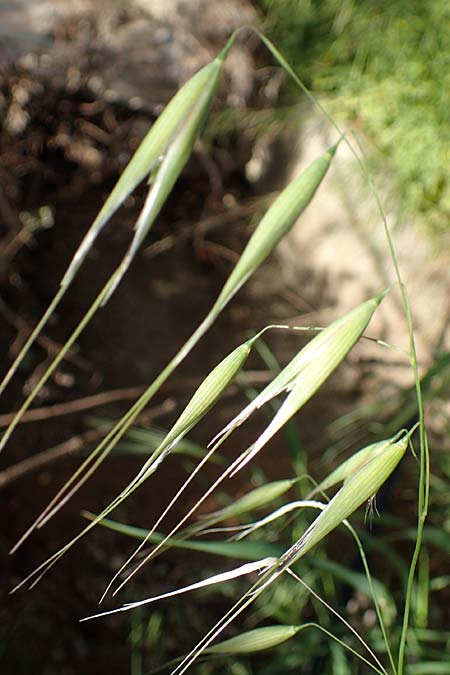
18 360
424 471
118 431
57 360
424 475
341 618
365 563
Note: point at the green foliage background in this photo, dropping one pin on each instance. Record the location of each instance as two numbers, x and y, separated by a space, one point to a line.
386 65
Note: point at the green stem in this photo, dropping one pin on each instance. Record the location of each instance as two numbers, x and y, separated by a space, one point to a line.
424 472
374 596
121 427
60 356
18 360
424 476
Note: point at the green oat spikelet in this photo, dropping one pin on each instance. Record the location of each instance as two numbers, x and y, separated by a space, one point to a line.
255 640
191 103
311 367
287 379
204 398
276 223
347 468
363 485
255 499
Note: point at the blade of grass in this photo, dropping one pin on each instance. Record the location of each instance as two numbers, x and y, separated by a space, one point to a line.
250 550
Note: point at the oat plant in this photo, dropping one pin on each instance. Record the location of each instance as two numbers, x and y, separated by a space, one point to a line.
160 159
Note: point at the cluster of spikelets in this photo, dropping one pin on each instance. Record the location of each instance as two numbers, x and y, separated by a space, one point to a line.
160 158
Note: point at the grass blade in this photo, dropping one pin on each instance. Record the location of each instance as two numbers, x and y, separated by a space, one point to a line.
248 550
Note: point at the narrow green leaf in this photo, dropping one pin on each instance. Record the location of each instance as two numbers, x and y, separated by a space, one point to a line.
245 550
141 441
429 668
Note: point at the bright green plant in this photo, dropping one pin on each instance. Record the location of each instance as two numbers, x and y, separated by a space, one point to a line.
383 68
162 156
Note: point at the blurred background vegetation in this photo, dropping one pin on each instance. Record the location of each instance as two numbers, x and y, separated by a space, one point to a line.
384 68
